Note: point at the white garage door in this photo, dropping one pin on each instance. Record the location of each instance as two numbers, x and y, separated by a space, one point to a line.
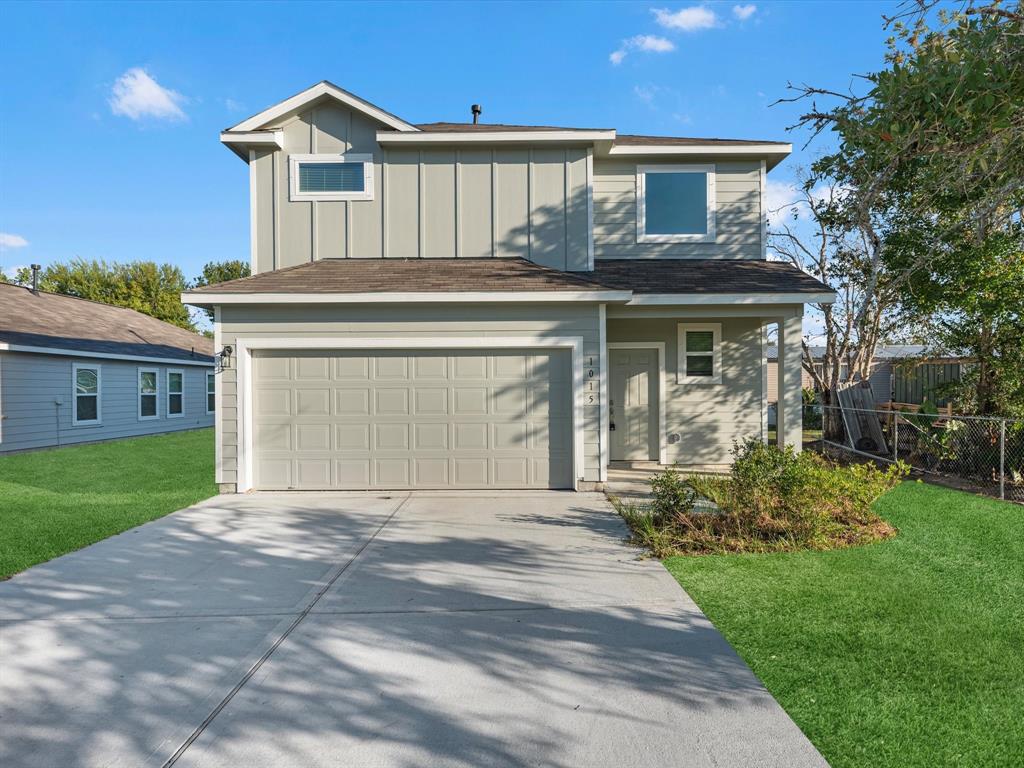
402 419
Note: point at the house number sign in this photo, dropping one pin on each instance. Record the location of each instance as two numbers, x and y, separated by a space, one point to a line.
590 389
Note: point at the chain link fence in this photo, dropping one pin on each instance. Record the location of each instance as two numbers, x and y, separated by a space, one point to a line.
973 452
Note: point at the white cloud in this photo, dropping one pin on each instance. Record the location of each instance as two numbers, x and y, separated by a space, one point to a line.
780 197
692 19
137 95
647 43
233 106
7 240
744 12
651 43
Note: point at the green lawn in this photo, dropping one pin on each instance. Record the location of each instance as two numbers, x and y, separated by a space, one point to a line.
56 501
904 653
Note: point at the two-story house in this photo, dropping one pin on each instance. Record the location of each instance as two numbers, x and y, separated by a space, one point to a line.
460 305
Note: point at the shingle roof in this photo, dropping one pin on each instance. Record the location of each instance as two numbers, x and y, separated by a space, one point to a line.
408 275
65 322
516 274
629 139
704 276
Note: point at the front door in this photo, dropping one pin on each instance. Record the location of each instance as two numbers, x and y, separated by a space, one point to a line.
633 405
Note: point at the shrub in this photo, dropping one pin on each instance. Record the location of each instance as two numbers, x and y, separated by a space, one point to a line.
772 500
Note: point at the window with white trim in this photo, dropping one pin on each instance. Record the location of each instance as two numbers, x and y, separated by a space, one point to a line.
86 395
675 203
149 389
330 177
175 393
211 393
699 359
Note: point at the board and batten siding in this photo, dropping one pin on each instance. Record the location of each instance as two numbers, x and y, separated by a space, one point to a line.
428 203
297 322
737 212
36 401
702 421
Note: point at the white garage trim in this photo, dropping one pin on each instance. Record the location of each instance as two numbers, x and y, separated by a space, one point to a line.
245 347
660 347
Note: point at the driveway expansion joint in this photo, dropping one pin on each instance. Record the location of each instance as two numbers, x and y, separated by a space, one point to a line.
321 591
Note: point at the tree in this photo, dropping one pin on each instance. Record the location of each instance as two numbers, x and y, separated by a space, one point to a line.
931 161
219 272
147 287
838 252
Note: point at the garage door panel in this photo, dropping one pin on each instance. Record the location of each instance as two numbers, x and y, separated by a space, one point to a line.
352 401
352 437
404 419
430 401
312 437
312 402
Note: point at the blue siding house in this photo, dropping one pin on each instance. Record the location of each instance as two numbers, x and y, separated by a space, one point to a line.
76 371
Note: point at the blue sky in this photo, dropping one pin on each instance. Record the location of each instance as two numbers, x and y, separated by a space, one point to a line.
110 113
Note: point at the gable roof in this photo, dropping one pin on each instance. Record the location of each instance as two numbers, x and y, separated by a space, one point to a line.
259 131
51 321
705 276
323 89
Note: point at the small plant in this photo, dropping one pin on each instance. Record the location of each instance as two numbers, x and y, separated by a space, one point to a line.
772 500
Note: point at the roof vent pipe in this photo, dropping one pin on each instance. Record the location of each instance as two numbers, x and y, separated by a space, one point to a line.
477 110
35 277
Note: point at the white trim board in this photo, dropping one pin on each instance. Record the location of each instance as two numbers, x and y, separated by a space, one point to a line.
773 153
5 347
660 347
695 299
311 94
602 394
384 138
245 347
387 297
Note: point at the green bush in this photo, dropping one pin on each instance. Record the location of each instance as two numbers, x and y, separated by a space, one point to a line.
772 500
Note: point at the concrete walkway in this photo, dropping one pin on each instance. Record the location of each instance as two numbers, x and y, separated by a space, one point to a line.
375 630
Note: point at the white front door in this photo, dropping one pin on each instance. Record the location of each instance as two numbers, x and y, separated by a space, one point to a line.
633 405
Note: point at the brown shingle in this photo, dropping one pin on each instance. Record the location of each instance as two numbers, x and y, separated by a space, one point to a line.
704 276
409 276
52 320
515 274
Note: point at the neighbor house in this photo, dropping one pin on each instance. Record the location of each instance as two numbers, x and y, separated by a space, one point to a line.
76 371
453 305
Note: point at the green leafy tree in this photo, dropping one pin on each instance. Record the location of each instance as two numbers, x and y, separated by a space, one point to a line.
147 287
218 272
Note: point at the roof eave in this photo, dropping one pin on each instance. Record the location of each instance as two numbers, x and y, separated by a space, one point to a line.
773 154
320 90
240 142
764 297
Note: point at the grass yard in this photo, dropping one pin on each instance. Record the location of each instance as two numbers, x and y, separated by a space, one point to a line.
905 653
57 501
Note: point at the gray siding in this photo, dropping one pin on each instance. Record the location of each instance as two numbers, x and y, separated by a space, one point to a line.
737 214
31 383
708 418
433 322
446 202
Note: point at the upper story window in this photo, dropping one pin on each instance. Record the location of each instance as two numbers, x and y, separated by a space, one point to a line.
330 177
87 394
675 203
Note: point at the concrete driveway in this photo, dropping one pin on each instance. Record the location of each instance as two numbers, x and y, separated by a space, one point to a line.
375 630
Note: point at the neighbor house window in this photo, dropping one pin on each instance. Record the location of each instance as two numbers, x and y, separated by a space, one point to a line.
148 389
211 393
700 353
86 394
330 177
675 203
175 393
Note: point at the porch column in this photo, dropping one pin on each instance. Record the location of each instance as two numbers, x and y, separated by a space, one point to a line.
789 409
